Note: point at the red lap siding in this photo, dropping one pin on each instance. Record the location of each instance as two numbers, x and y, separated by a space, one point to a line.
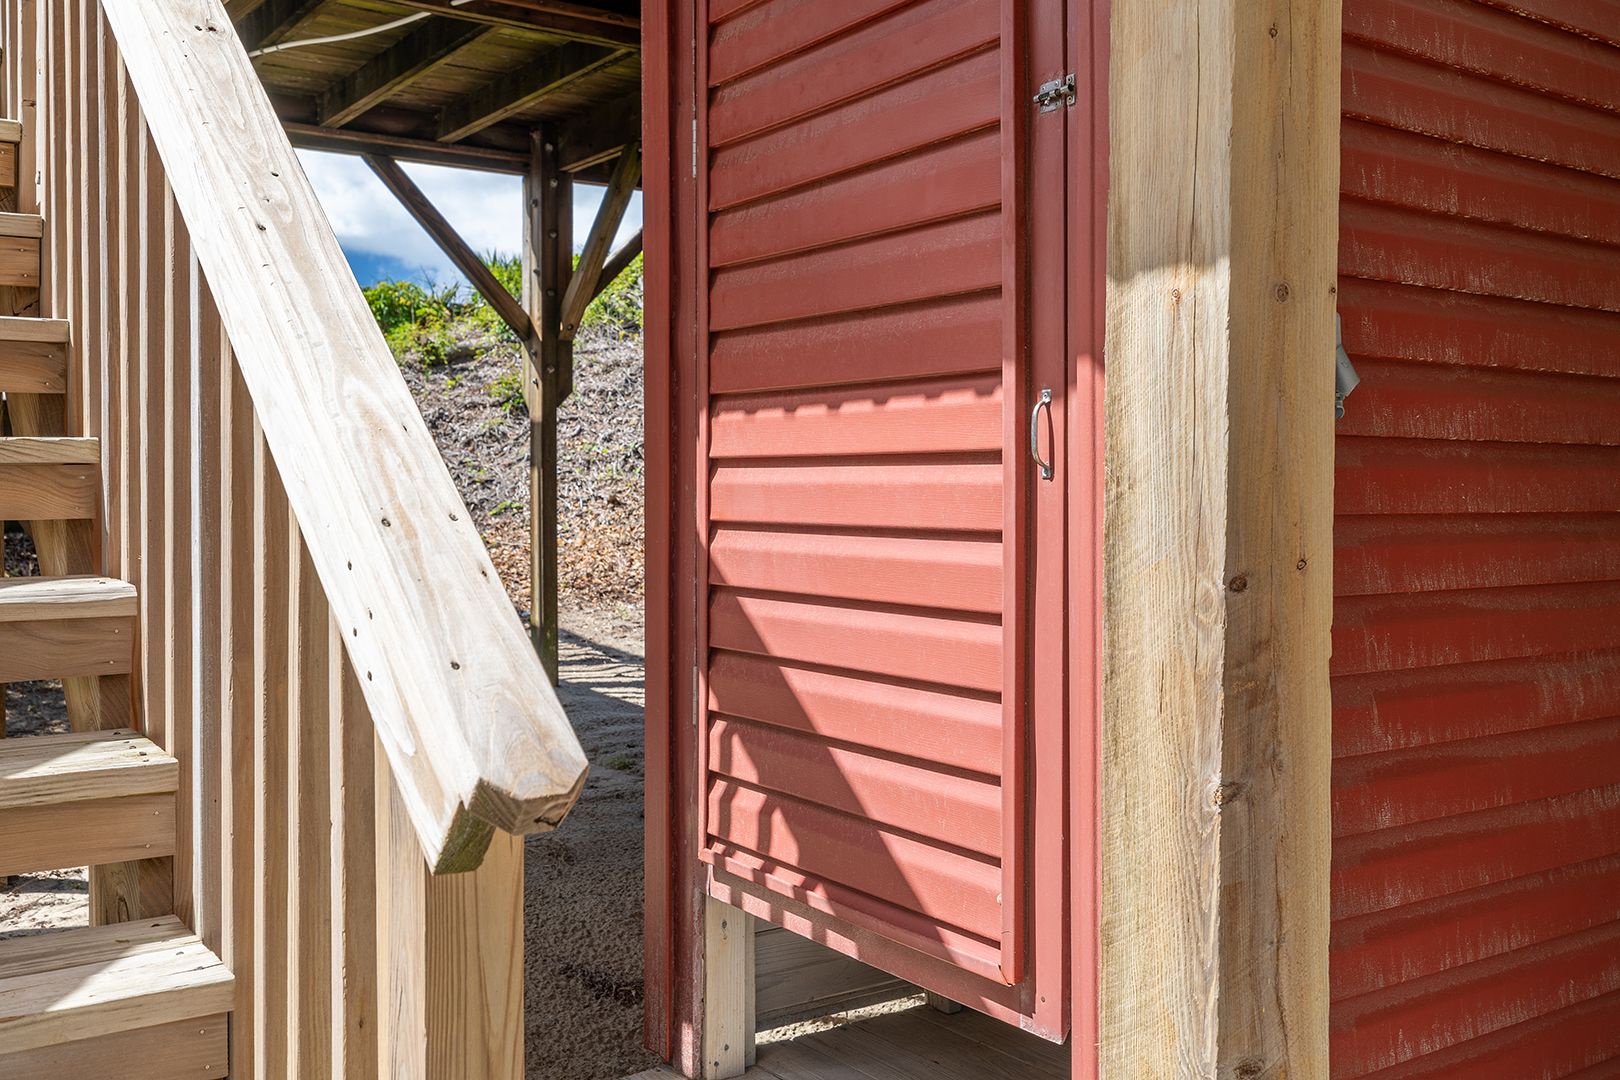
1476 668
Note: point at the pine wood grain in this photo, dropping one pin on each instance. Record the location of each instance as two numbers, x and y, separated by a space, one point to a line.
55 769
86 984
91 832
1218 552
471 730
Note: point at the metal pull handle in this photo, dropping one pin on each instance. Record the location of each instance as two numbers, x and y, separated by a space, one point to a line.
1045 402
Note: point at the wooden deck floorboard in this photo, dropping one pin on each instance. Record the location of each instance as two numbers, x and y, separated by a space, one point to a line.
911 1045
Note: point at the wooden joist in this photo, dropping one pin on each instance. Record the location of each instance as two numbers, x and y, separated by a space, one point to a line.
598 135
82 985
424 48
33 355
523 87
582 284
272 21
576 22
402 148
454 247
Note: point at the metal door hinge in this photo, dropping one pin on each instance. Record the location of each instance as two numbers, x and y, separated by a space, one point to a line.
1055 93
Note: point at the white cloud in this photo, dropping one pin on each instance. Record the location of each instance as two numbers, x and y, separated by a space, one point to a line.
485 208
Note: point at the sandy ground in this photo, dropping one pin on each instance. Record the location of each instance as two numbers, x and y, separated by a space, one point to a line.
34 903
583 906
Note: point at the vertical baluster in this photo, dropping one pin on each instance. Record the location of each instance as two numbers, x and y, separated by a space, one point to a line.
270 764
309 833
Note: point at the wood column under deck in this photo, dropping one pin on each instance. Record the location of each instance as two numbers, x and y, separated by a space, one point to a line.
548 201
1218 561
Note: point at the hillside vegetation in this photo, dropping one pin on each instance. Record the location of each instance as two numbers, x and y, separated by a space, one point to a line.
464 367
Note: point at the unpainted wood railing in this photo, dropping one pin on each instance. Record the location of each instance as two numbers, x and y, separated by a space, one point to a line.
323 640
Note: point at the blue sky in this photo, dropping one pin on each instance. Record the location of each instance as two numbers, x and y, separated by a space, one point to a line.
383 242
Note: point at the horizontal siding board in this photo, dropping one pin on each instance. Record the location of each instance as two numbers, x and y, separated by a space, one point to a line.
1404 476
925 802
904 644
1431 401
1386 165
934 107
1399 92
945 497
946 337
945 258
926 935
1403 787
936 417
1470 36
1402 944
964 575
1408 864
1401 554
1555 1044
1451 1008
900 44
1412 248
1389 633
1387 710
932 881
1596 19
749 36
1393 321
935 183
965 732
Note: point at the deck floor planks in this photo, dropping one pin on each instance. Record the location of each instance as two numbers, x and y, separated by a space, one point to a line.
911 1045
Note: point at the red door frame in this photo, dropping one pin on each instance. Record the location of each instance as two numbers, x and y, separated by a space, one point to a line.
674 884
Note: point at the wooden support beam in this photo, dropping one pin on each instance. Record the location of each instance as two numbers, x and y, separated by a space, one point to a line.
589 24
728 991
548 201
450 242
427 46
522 87
582 284
618 263
270 22
598 135
400 148
1218 564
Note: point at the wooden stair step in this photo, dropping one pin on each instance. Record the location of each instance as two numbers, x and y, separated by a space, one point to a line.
60 627
33 353
49 478
11 133
85 799
75 997
20 246
46 770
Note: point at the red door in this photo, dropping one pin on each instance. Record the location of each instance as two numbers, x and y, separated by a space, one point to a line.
883 238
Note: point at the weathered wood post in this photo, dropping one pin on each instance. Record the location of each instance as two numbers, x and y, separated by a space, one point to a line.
1218 564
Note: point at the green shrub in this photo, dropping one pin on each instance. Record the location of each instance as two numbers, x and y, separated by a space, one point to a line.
507 391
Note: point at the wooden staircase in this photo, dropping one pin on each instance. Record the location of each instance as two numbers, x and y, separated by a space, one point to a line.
135 994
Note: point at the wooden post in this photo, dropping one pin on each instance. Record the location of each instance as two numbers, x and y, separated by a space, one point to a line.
450 984
1215 826
549 374
728 991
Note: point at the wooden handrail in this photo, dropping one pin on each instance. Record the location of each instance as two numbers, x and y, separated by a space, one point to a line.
473 732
